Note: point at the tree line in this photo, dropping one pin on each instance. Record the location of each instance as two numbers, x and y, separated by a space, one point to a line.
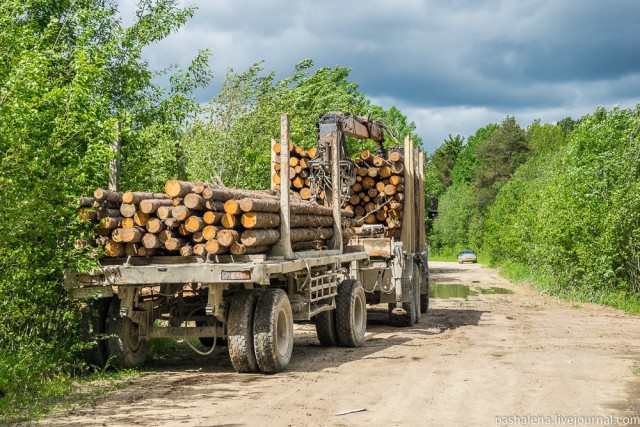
558 202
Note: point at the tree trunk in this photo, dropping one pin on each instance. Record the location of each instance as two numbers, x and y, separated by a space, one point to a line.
240 249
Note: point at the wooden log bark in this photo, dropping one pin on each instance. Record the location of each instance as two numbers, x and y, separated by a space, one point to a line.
215 206
260 220
132 235
227 237
132 249
311 221
107 196
175 188
182 230
150 206
210 217
224 194
194 201
171 223
85 201
163 212
135 197
166 235
106 213
310 234
240 249
110 223
198 237
86 214
260 237
114 249
300 207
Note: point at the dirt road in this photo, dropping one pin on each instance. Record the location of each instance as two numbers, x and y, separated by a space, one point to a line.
467 362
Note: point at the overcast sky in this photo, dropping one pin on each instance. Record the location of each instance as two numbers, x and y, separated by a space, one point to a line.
450 66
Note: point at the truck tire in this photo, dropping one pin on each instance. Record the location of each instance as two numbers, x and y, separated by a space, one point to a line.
351 313
92 330
273 331
240 331
326 328
424 298
125 347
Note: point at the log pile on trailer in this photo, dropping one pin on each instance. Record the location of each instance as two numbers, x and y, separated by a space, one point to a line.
194 218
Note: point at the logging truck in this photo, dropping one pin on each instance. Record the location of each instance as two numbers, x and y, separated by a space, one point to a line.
267 260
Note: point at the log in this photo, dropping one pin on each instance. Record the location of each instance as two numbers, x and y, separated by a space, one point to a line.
354 199
198 187
85 201
132 249
186 250
200 249
248 204
215 248
372 192
272 205
397 168
163 212
135 197
150 206
110 223
385 171
260 220
311 152
114 249
128 210
276 148
131 235
293 161
198 237
396 179
182 212
379 161
372 172
165 235
182 230
224 194
367 157
368 182
232 207
152 241
389 190
230 221
213 205
310 221
171 222
305 193
194 223
106 213
146 251
173 244
155 225
210 232
362 172
240 249
210 217
175 188
194 201
260 237
276 179
297 182
356 187
108 196
88 214
396 157
228 237
309 234
140 218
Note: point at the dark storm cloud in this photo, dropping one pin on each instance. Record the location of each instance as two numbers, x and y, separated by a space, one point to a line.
472 59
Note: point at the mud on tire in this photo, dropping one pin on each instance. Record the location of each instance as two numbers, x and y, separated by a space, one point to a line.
125 347
351 313
273 331
240 331
326 328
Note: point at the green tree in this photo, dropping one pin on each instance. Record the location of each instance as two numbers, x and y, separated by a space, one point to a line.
68 72
444 159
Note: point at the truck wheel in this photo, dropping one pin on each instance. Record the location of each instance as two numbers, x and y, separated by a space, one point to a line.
94 317
126 348
351 313
273 331
240 331
424 298
326 328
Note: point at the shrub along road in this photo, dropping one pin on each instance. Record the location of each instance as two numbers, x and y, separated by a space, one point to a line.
469 361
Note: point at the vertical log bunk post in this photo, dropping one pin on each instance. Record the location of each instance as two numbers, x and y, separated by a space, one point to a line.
114 163
283 247
336 190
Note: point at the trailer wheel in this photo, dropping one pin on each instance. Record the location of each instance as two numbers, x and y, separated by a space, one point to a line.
240 331
351 313
273 331
424 298
94 317
326 328
126 348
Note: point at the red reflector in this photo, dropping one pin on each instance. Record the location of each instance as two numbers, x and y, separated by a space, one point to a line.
235 275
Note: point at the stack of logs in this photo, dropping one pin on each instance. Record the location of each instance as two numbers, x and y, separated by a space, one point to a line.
299 176
377 196
194 218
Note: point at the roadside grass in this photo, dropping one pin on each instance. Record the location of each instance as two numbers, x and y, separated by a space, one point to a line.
543 282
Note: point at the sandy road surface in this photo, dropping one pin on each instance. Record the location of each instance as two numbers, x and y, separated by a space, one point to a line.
465 363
